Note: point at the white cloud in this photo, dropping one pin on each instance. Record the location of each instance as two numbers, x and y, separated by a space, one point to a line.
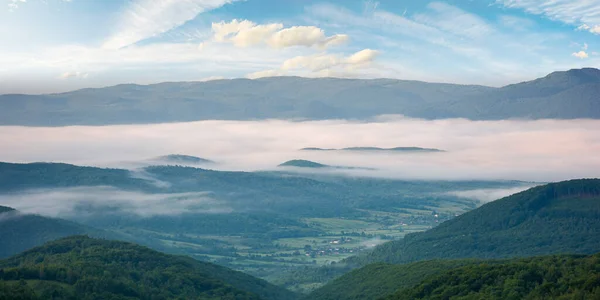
63 202
581 54
148 18
322 65
73 74
266 73
577 12
245 33
595 29
14 4
488 195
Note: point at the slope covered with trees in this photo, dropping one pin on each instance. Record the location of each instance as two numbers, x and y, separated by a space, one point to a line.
378 280
551 277
552 219
84 268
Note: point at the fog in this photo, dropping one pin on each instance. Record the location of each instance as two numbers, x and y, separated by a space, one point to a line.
540 151
488 195
66 202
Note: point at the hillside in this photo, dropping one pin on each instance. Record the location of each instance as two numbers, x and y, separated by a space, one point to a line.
84 268
15 177
20 232
378 280
562 95
299 163
183 159
551 277
552 219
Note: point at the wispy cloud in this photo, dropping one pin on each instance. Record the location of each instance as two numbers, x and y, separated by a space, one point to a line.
585 14
73 74
487 195
147 18
333 65
66 202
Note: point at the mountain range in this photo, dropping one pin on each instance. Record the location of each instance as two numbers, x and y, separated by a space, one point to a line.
561 95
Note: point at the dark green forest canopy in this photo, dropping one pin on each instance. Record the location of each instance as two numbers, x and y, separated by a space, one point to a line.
83 268
552 219
377 280
550 277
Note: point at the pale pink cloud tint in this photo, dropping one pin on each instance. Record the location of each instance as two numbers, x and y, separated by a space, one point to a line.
544 150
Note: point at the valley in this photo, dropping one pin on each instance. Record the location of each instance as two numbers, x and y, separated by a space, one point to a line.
263 223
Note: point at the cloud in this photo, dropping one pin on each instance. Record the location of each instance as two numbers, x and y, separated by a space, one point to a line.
538 151
244 33
73 74
579 13
65 202
14 4
322 64
581 54
454 20
143 19
585 27
488 195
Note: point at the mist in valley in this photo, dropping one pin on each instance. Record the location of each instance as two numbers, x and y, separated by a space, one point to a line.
537 151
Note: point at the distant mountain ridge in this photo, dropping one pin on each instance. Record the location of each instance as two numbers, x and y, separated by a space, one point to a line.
561 95
183 159
378 149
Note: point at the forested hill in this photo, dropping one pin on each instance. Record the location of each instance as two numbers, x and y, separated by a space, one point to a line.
20 232
552 277
84 268
551 219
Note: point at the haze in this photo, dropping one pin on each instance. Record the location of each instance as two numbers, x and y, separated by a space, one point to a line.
541 151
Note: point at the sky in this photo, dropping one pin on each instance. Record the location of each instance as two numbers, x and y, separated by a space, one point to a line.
60 45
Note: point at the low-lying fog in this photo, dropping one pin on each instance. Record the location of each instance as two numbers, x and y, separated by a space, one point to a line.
543 150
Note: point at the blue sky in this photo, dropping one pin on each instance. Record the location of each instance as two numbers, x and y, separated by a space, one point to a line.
60 45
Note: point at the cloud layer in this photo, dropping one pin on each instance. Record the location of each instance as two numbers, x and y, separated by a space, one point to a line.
66 202
544 150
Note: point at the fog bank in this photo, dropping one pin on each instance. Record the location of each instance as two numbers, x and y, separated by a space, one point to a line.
541 150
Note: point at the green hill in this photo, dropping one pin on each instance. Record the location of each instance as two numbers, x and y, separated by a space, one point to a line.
15 177
558 218
19 232
551 277
551 219
378 280
85 268
183 159
300 163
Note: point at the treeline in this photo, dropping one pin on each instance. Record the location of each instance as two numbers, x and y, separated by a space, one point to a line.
552 277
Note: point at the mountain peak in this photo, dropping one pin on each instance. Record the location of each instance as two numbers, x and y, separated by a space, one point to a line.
584 75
